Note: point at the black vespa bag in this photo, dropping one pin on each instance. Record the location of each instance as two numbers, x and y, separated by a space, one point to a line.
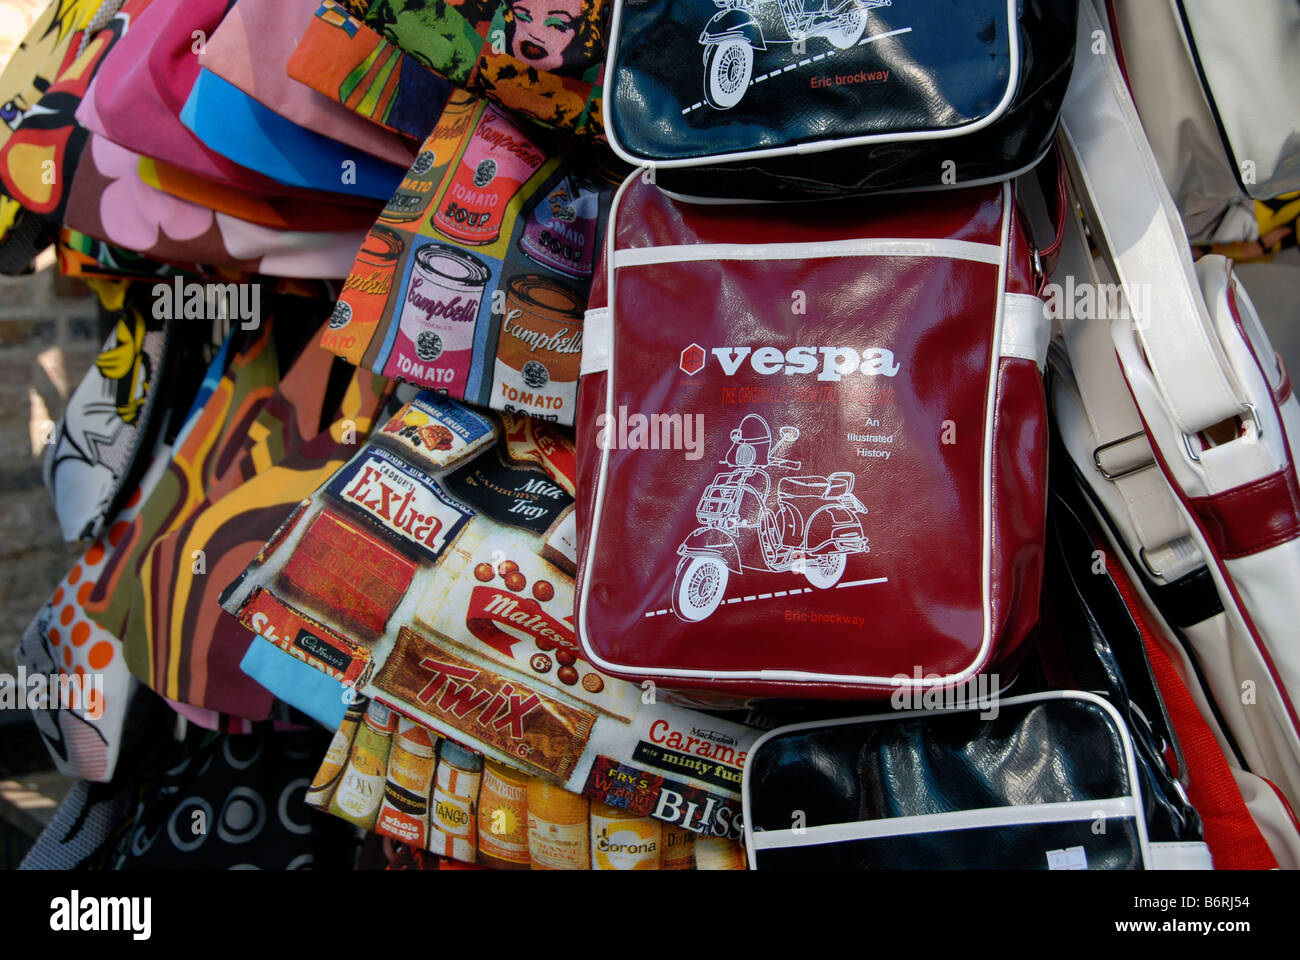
794 99
1047 781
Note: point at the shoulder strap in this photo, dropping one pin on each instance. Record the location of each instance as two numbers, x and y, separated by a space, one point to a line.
1129 204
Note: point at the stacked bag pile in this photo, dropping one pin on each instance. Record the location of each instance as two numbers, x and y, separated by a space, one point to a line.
663 434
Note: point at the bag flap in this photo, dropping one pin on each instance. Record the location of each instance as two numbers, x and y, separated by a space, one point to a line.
725 79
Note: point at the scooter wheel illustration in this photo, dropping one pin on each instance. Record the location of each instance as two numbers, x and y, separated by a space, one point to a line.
727 68
824 572
848 30
699 587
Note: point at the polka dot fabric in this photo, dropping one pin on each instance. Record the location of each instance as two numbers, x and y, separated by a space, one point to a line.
84 733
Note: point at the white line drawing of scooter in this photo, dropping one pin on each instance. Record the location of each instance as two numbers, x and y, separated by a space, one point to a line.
808 524
742 26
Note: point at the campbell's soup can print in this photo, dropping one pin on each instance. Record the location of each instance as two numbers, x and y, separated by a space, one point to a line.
560 232
365 295
539 350
497 161
413 196
434 344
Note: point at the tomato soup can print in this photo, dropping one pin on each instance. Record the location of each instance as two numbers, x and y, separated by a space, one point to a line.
561 229
365 295
411 200
539 350
497 161
435 336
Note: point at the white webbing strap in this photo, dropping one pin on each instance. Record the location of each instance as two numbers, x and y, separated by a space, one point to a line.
1118 178
1121 454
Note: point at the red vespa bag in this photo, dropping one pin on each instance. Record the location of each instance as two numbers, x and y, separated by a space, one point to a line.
812 444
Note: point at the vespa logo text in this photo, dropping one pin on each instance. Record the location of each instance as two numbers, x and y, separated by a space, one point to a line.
829 363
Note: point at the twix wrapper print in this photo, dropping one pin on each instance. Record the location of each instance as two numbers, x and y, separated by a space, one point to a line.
500 614
463 602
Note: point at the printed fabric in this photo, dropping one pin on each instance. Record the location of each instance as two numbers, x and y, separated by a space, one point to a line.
474 280
108 429
110 201
398 779
343 59
83 728
434 573
540 58
542 61
52 44
231 802
173 635
138 106
232 123
249 50
40 158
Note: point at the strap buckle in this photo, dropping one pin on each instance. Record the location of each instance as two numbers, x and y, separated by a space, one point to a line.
1254 416
1120 475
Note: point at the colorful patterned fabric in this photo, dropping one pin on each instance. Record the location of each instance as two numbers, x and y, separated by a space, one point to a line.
234 801
87 257
40 158
544 62
540 58
138 106
474 280
110 201
250 49
280 213
108 429
253 453
84 738
50 45
342 58
232 123
198 455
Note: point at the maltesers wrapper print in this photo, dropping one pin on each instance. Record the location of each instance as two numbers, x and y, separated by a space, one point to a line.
434 573
474 280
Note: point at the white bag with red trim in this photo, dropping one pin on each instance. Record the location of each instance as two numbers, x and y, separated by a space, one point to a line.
1180 420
